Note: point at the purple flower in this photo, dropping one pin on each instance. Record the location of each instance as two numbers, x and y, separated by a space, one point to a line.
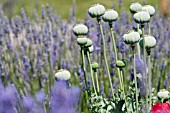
8 99
64 99
139 65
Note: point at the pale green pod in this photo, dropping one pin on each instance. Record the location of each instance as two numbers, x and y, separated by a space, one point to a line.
95 65
135 7
140 32
63 74
80 29
89 42
163 94
150 9
141 17
150 42
96 10
110 16
91 49
82 41
120 64
131 37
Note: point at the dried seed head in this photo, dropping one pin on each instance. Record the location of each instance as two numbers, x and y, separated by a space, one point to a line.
163 94
96 10
63 74
80 29
110 16
141 17
135 7
131 37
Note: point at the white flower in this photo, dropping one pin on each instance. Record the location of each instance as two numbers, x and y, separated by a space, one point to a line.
135 7
163 94
80 29
131 37
110 16
150 9
150 42
141 17
96 10
63 74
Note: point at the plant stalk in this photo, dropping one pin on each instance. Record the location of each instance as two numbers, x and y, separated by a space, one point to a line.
105 58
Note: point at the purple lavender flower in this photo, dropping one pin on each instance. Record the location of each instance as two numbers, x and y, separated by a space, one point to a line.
64 99
8 99
139 65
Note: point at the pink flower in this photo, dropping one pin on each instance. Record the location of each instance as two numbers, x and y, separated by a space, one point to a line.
161 107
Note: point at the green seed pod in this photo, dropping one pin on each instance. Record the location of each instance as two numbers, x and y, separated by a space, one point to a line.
96 10
82 41
140 32
135 7
141 17
150 42
110 16
94 65
63 74
163 94
89 42
80 29
131 37
120 64
91 49
150 9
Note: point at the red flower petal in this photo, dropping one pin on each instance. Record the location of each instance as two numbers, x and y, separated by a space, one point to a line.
161 108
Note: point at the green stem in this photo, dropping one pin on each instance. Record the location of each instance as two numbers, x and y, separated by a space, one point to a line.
138 46
84 70
149 28
126 104
144 57
149 69
97 82
115 50
91 72
105 58
113 40
120 79
135 77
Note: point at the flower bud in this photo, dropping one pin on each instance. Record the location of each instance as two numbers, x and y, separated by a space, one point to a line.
89 43
95 65
96 10
63 74
82 41
120 64
150 9
150 42
110 16
135 7
131 37
141 17
80 29
163 94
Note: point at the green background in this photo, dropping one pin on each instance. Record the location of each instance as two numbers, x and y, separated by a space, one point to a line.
62 7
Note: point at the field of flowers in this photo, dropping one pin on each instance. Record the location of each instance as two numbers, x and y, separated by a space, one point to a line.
107 63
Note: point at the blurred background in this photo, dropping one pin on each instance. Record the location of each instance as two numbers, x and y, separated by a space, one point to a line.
78 7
